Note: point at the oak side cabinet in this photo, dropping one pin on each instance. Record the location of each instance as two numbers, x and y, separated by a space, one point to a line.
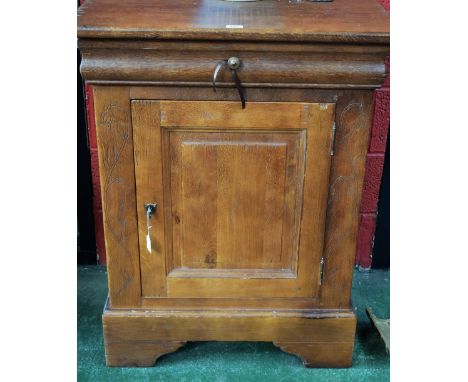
232 139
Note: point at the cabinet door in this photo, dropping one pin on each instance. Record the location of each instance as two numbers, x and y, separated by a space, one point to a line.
242 197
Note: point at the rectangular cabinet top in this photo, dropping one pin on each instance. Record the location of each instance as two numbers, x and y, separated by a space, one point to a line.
351 21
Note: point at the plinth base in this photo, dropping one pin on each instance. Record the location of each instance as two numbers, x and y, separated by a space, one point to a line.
321 338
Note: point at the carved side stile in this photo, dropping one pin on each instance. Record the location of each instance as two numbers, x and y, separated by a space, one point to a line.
114 131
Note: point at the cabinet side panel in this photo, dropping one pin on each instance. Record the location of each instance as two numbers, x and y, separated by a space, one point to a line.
353 119
115 146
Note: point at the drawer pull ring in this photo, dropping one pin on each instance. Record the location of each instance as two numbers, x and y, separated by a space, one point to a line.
150 209
233 64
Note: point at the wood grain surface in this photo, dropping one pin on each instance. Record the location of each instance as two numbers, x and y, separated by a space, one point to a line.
281 20
321 339
235 210
267 65
116 166
255 235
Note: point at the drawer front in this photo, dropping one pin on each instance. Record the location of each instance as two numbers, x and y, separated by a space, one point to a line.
266 64
242 197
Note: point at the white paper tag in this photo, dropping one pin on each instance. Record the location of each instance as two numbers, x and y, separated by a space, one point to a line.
232 26
148 243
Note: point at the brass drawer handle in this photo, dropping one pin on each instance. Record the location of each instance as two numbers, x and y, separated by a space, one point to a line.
233 63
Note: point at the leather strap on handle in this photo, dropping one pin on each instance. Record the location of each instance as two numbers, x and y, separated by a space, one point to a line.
235 79
239 87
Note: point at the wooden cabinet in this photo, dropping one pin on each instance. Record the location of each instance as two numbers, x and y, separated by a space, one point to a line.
252 232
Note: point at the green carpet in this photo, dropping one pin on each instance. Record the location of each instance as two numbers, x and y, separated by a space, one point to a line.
233 361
